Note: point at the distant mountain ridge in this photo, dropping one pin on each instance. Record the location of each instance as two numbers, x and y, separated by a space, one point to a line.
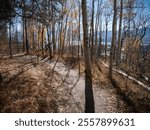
146 39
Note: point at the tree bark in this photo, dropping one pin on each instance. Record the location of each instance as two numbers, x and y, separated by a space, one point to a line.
92 31
23 35
113 39
89 99
100 39
42 40
53 38
118 56
106 36
79 38
10 46
26 33
17 42
49 44
64 36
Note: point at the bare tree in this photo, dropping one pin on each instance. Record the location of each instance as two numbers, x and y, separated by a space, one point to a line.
89 99
10 38
113 38
92 29
118 54
107 16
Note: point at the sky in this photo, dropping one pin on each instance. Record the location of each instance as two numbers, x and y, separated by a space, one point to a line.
147 5
147 10
147 2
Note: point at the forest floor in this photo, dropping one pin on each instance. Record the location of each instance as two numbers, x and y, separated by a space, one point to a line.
28 84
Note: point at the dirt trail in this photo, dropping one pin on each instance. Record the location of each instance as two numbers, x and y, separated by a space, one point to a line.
106 97
27 87
61 92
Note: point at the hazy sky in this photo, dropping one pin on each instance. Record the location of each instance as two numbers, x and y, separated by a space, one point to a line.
147 4
147 1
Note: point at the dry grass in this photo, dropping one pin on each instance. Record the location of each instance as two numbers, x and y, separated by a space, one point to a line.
134 95
27 87
139 96
20 92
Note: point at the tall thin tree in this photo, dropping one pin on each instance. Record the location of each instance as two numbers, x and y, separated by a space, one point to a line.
113 38
118 56
89 99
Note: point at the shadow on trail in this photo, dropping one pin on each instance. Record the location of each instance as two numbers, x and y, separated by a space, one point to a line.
124 96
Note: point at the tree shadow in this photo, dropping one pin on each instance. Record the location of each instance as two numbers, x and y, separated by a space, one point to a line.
89 96
123 95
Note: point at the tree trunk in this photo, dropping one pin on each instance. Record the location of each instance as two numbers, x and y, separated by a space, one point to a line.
42 41
89 99
53 38
79 38
26 33
96 27
17 39
49 44
113 39
10 46
100 39
92 31
33 38
118 56
23 36
38 42
106 36
64 36
25 27
60 36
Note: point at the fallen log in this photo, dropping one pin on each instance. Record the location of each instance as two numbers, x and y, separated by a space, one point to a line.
128 76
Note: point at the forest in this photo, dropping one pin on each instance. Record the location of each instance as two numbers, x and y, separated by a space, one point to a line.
74 56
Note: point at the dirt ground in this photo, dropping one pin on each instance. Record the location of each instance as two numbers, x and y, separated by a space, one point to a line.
29 84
